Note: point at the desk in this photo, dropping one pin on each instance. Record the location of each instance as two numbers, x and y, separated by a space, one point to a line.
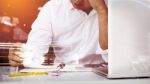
65 76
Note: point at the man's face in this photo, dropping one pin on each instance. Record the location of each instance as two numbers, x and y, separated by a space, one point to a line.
81 4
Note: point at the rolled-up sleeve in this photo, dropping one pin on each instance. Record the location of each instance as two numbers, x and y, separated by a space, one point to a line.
40 36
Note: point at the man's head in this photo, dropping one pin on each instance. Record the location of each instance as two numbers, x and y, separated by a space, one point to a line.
82 5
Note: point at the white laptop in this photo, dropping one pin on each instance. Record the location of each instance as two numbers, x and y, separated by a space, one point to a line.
129 39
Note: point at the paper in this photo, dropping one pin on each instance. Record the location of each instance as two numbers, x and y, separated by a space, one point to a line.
67 68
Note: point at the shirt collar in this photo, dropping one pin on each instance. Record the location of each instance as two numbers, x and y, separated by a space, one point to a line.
72 8
70 5
93 12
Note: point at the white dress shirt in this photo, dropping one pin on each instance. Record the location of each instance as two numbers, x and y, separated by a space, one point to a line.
73 34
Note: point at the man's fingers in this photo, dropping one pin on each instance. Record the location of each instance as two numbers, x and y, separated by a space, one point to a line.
15 64
14 53
16 58
12 50
19 54
12 63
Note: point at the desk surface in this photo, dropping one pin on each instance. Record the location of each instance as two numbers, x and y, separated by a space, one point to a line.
64 76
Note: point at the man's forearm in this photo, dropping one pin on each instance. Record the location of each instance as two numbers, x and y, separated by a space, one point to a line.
103 28
102 11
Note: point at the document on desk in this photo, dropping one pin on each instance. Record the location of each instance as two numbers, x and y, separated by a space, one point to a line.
67 68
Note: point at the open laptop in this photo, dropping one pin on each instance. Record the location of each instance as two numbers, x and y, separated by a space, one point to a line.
129 39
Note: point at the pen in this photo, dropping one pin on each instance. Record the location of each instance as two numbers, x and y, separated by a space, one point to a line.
57 71
27 74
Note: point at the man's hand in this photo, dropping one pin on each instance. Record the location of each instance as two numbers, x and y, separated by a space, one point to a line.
102 12
14 57
98 5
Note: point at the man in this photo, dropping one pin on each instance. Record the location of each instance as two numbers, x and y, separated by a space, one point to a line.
75 28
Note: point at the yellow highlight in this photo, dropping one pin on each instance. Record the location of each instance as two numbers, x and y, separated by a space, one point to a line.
27 74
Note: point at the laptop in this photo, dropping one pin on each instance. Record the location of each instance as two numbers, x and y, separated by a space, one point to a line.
129 40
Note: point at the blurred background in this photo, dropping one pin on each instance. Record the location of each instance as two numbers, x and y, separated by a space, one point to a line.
16 18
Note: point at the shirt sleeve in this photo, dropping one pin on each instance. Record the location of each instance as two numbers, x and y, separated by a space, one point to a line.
101 51
104 53
40 36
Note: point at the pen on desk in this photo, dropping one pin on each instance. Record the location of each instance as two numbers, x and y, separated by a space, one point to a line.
57 71
27 74
60 66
